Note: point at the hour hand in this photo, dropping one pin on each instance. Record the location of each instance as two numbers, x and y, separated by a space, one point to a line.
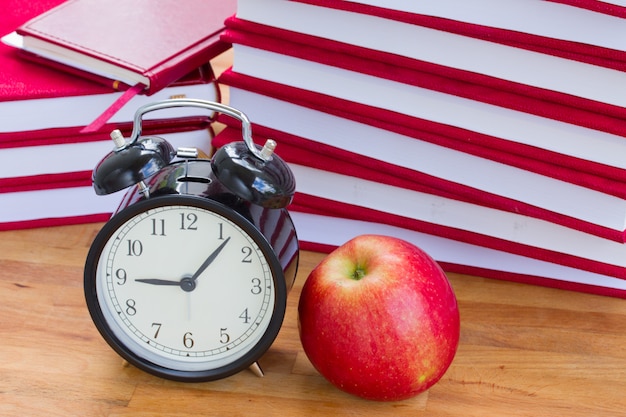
156 281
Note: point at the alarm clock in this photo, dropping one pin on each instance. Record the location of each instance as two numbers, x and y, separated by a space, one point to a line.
188 279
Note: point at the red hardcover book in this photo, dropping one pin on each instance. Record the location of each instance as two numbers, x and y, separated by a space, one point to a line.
349 196
318 230
600 109
511 187
510 24
37 102
133 41
513 147
305 152
576 261
68 155
53 186
607 7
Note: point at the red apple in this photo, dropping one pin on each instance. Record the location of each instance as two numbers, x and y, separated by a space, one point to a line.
379 319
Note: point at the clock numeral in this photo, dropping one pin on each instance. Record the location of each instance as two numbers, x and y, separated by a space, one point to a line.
158 227
131 308
135 247
187 340
221 231
158 329
224 337
245 316
247 255
188 221
256 286
120 274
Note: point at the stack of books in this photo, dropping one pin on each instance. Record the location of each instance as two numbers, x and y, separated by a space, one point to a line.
56 115
480 130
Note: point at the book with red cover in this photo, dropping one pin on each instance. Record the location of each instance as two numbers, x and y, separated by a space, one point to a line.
541 75
597 105
581 156
459 220
133 41
498 183
67 155
321 231
27 116
309 152
607 7
579 255
38 102
36 192
526 25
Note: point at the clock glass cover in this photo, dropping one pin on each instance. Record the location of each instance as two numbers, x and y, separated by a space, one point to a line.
186 289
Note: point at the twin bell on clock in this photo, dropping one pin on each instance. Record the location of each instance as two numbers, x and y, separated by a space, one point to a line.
188 279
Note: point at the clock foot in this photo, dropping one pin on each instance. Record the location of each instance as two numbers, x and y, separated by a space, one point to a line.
125 363
256 369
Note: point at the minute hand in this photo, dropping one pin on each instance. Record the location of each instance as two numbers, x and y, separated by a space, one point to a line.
209 260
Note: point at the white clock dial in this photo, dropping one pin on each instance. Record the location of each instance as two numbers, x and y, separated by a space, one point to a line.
185 288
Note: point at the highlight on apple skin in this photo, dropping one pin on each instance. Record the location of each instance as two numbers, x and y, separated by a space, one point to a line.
379 319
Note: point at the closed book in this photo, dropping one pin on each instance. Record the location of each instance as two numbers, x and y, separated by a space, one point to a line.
133 41
518 190
460 220
520 24
64 194
326 157
69 155
525 72
29 115
610 7
598 107
55 206
36 100
321 231
466 123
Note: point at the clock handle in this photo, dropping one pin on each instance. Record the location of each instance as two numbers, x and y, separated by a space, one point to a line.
263 154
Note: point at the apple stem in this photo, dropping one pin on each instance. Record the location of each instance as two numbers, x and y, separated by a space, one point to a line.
358 274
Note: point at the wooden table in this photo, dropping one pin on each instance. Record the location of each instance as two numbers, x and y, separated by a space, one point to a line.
525 351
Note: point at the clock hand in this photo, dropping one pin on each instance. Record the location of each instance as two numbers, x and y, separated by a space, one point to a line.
188 283
158 281
209 260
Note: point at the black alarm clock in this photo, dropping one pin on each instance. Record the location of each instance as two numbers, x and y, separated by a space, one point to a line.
188 280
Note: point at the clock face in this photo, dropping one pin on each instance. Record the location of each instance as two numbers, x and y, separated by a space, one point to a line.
184 288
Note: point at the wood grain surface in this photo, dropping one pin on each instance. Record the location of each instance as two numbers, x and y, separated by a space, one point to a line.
525 351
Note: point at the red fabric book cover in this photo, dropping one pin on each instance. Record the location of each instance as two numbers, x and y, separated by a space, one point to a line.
55 221
73 134
578 171
66 204
153 43
471 85
43 177
22 79
592 54
64 194
561 281
317 155
340 209
31 93
596 6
